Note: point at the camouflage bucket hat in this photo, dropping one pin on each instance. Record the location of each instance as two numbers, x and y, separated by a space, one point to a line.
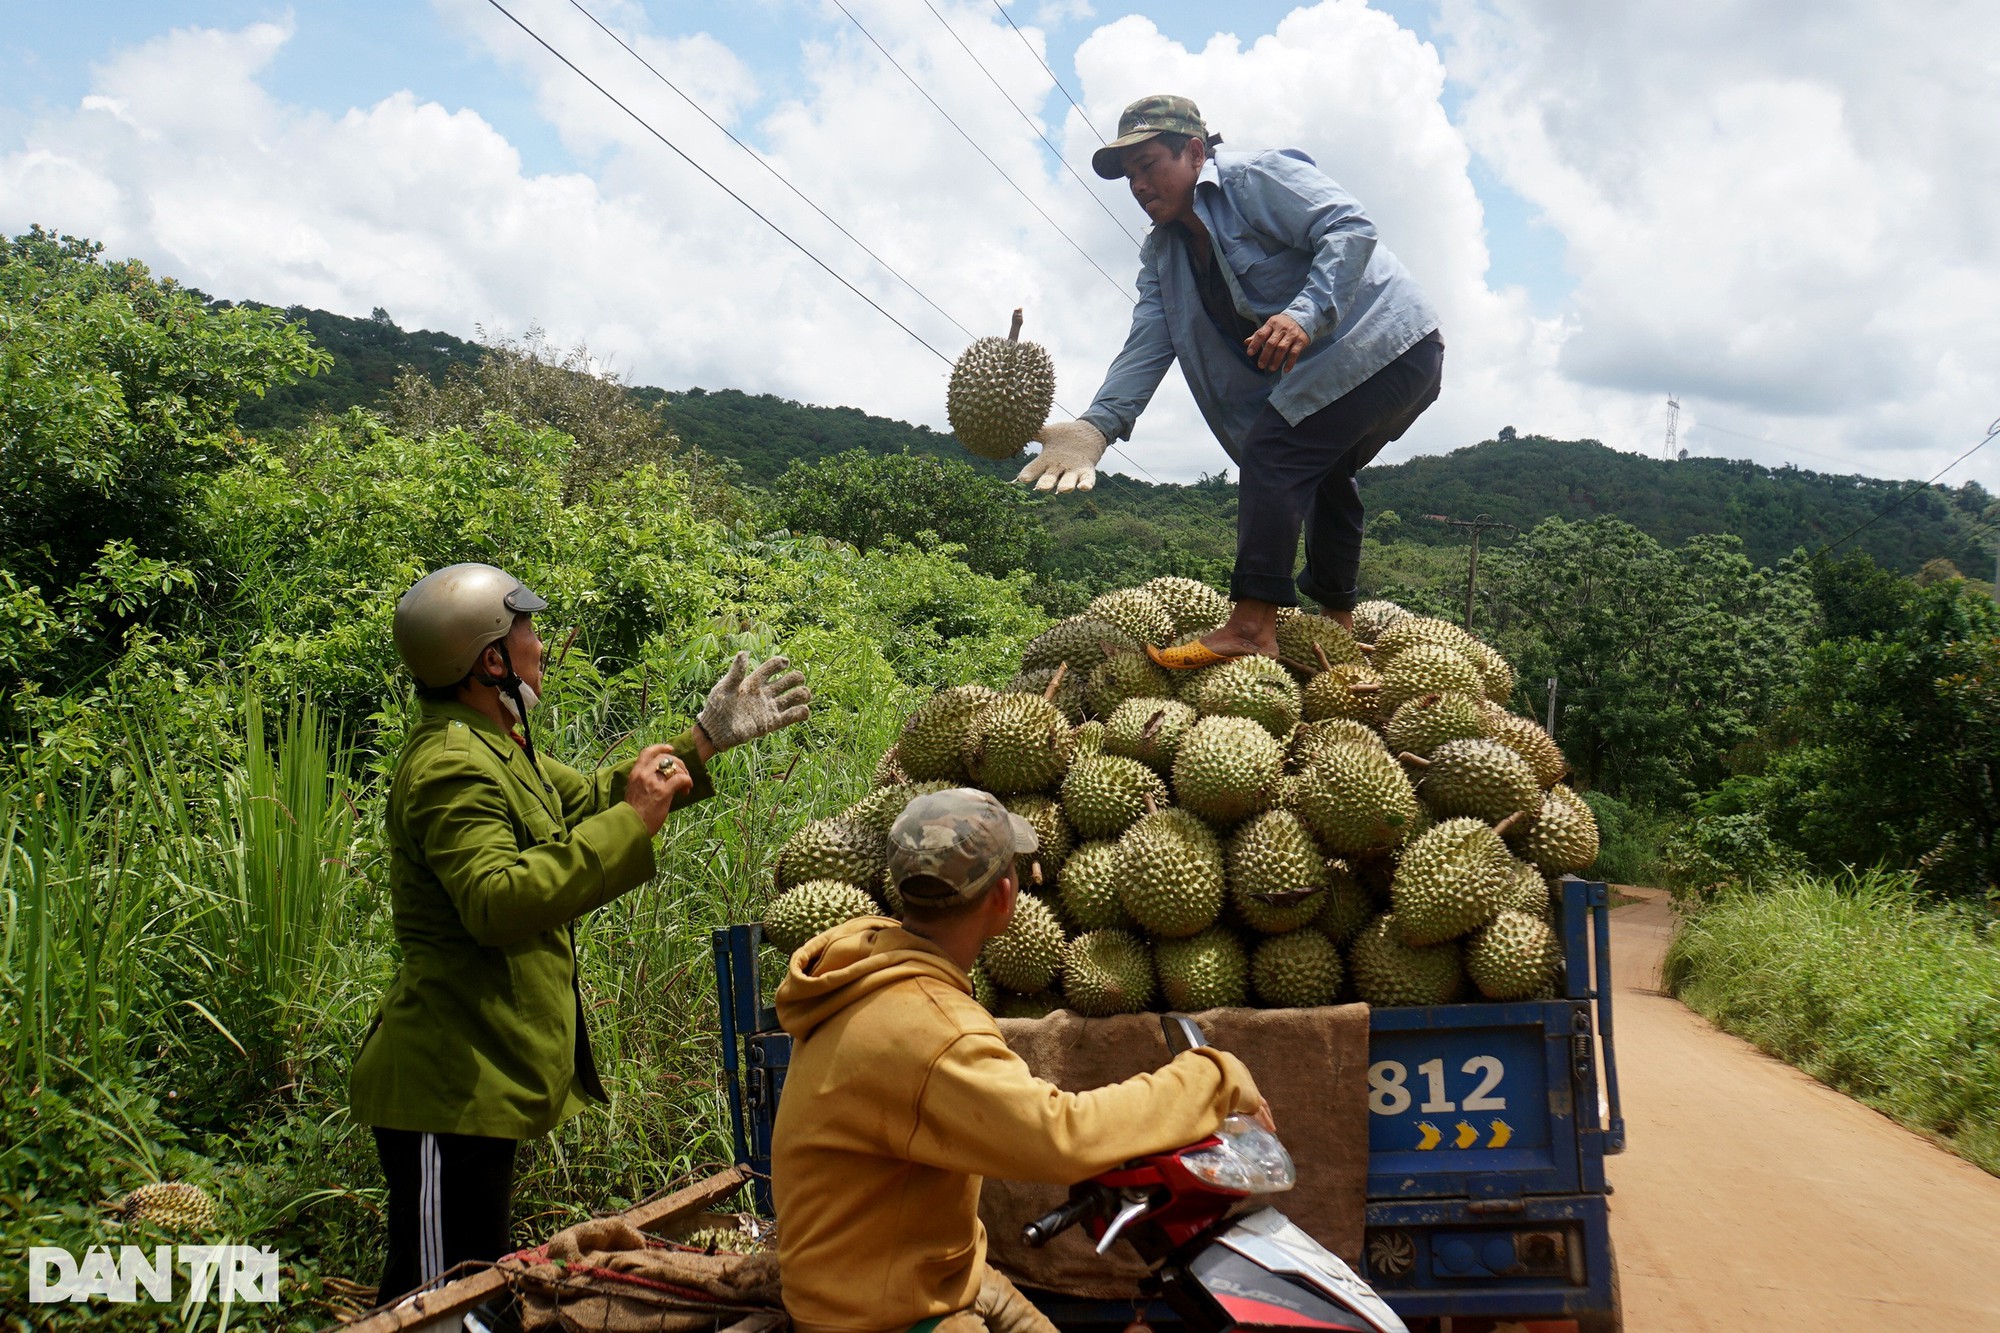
1161 113
963 838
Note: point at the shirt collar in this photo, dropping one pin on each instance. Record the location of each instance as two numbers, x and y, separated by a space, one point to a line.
454 711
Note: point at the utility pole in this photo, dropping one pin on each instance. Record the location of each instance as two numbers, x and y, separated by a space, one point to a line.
1475 526
1551 728
1673 427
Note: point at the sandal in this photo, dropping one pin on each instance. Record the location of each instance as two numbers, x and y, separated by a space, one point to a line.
1190 656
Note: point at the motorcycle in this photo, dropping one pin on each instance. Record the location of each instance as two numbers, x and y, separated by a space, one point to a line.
1217 1268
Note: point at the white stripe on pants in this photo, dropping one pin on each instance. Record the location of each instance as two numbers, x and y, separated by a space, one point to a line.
430 1208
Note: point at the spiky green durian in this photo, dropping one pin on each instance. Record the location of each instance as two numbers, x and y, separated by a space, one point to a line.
877 811
1080 641
1017 743
1206 970
1526 891
1373 617
1527 739
1104 794
1087 739
1135 611
1170 873
1277 877
1027 1006
810 909
1148 730
1194 606
1090 887
1299 970
1253 687
1314 738
838 848
1347 691
1225 767
932 747
1388 972
1494 670
1026 956
1347 905
1562 837
999 394
1419 631
1304 638
171 1205
1120 677
1514 958
1429 720
983 989
1107 972
1052 830
1426 668
1355 798
888 770
1450 881
1480 778
1068 692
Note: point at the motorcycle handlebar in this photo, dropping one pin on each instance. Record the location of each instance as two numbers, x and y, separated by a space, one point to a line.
1056 1221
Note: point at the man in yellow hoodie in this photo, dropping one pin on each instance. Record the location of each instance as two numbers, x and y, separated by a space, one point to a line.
902 1096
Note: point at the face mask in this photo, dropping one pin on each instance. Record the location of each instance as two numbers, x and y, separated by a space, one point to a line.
529 699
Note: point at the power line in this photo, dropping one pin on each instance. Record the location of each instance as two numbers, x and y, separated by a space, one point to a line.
1045 67
1992 432
981 151
758 158
1094 197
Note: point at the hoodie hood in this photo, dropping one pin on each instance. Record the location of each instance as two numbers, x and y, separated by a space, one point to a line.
852 961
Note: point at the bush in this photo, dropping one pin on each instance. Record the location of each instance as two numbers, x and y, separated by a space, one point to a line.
1714 852
1630 841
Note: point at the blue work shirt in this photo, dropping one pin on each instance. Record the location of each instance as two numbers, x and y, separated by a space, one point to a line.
1288 240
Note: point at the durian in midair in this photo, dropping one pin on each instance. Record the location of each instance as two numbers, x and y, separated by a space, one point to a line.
1195 607
840 849
1000 393
810 909
1372 618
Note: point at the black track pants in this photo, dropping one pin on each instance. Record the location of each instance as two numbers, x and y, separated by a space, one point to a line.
1303 476
448 1202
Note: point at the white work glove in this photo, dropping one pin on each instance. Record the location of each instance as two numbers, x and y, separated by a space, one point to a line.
1068 460
747 704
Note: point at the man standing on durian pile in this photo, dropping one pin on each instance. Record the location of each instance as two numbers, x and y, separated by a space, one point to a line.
901 1096
1307 346
494 852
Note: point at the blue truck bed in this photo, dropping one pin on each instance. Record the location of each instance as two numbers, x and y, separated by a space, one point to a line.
1488 1129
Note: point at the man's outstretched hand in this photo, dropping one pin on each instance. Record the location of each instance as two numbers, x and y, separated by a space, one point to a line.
1278 344
1068 460
746 704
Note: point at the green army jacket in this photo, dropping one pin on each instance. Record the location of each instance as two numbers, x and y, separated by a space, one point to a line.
490 860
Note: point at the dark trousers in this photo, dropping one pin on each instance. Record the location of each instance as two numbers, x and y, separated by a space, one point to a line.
449 1196
1303 476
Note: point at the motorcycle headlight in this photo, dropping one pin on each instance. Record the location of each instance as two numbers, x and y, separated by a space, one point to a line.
1249 1158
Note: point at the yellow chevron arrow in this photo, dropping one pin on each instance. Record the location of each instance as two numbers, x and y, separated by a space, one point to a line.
1502 1134
1467 1135
1430 1136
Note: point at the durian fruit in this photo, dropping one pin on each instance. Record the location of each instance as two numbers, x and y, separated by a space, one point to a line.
1277 877
838 849
1312 644
1120 677
1373 617
1562 836
1107 972
1026 957
1052 831
1148 730
1253 687
1135 611
1296 971
1357 799
1419 631
1450 881
932 747
1081 642
724 1240
888 770
1000 393
1479 778
1514 958
1206 970
1017 743
1527 891
1170 873
1089 887
1193 606
1527 739
1087 739
171 1205
1314 738
1104 794
1225 768
1429 720
1388 972
877 811
1494 670
1426 668
983 989
810 909
1059 685
1040 1005
1347 690
1347 906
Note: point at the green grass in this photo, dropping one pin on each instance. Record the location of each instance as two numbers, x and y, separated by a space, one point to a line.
1870 988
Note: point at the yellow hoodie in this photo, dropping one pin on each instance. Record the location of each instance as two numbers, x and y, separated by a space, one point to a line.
901 1097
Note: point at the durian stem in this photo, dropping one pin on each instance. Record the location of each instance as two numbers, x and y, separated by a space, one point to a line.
1055 682
1366 687
1014 333
1510 823
1152 727
1429 699
1365 647
1412 760
1152 804
1319 651
1035 871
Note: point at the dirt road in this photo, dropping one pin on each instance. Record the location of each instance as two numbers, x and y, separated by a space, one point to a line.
1752 1198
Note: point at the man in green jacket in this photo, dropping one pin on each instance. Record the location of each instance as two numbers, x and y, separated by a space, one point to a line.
495 851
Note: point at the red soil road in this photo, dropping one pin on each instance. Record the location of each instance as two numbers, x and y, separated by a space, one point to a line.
1753 1198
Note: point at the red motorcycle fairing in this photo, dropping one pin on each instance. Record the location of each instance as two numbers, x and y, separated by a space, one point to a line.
1190 1206
1253 1297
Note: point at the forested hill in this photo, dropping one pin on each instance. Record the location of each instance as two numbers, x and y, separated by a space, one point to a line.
1516 480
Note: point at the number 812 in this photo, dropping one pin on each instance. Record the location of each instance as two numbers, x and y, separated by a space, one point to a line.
1389 1092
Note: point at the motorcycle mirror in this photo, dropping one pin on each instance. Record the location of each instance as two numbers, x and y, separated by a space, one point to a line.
1182 1033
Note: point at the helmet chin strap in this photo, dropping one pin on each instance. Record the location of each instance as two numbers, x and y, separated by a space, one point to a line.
511 687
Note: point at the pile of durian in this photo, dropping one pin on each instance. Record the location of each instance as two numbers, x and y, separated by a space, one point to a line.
1359 818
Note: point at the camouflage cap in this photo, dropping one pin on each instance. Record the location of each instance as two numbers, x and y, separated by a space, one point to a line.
963 838
1162 113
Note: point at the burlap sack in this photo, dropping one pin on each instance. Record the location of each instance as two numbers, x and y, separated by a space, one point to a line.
605 1276
1310 1064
